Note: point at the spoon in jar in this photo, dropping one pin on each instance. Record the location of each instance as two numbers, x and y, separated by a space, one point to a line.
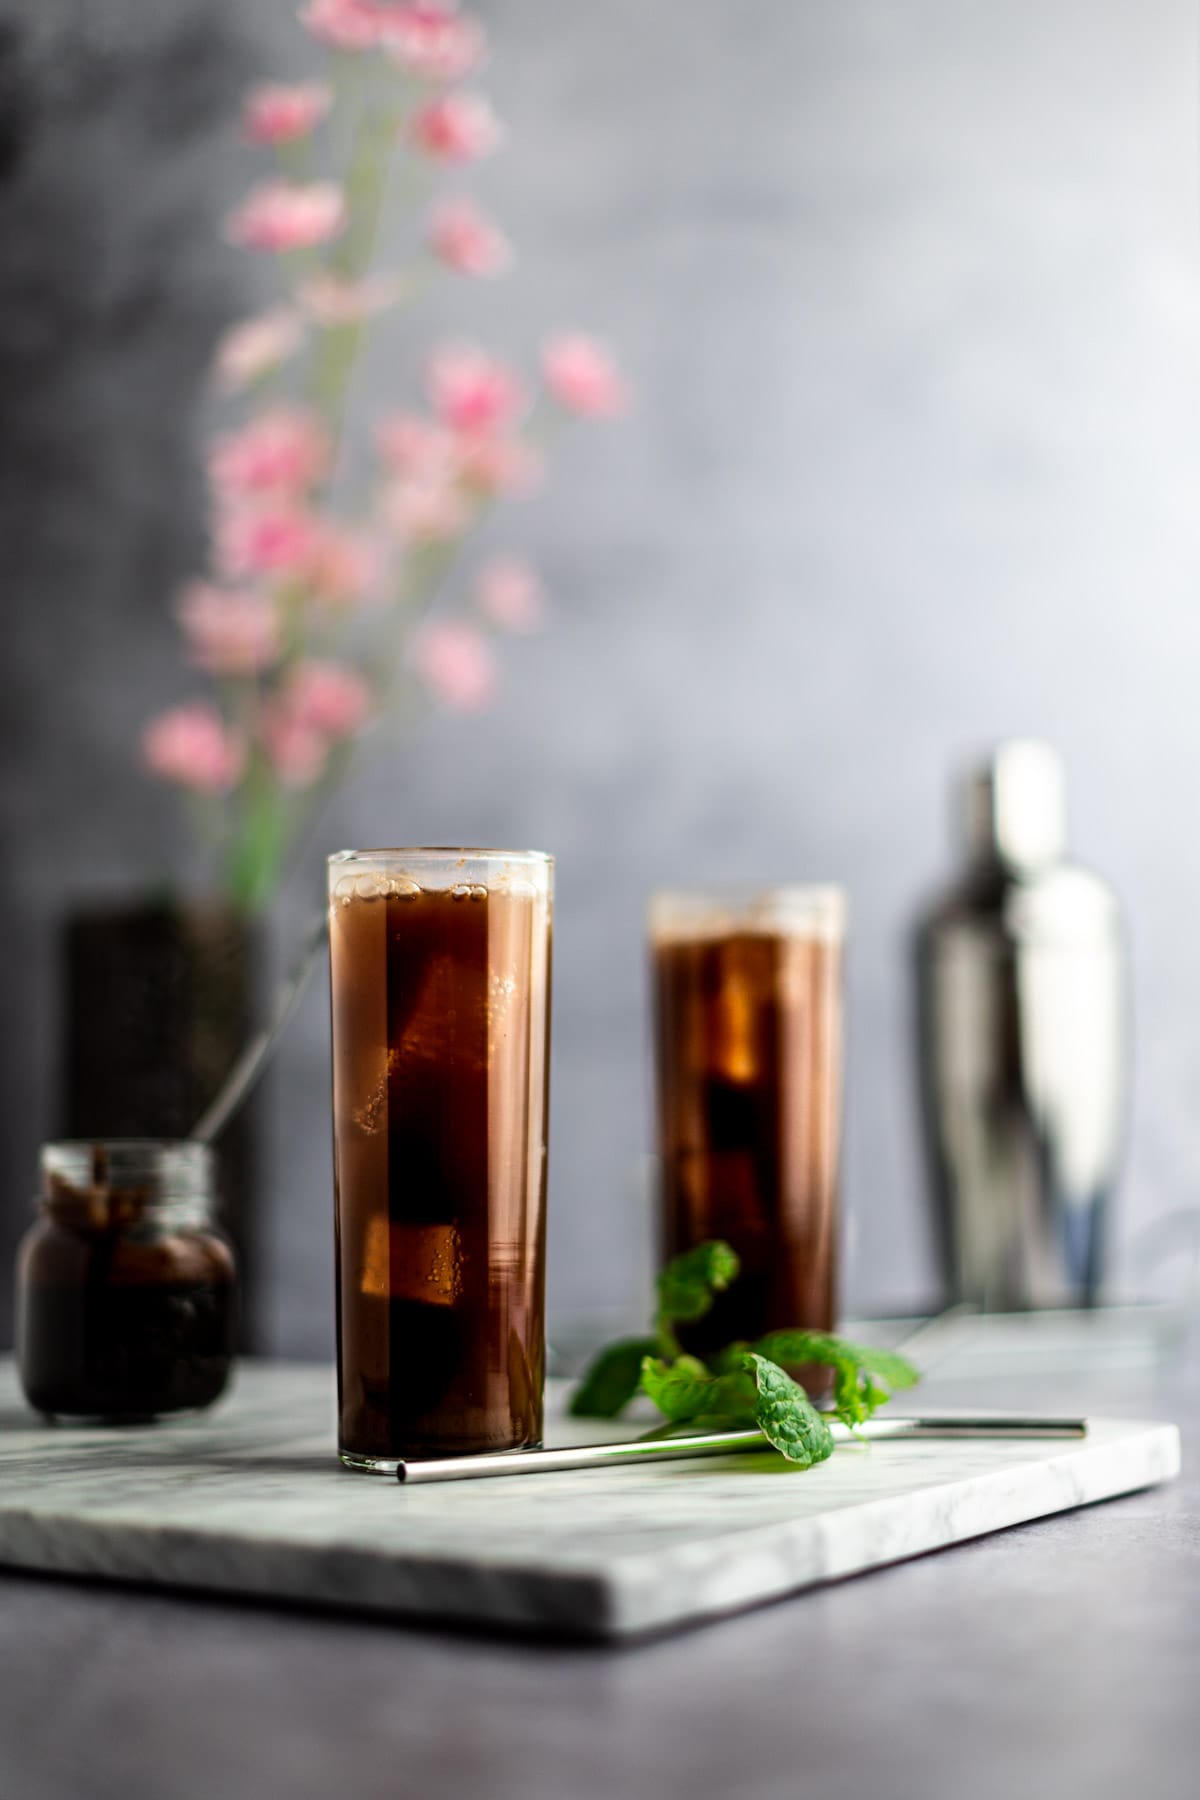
245 1072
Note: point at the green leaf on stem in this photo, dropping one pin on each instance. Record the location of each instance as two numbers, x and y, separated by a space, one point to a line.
688 1286
612 1379
786 1416
863 1377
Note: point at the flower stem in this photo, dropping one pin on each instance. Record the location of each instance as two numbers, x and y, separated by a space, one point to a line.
258 849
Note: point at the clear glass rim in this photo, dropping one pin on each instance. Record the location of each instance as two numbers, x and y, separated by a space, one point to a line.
441 853
810 909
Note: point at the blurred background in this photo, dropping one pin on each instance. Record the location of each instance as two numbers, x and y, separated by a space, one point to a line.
908 297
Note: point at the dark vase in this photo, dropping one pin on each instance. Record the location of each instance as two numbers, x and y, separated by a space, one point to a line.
159 1000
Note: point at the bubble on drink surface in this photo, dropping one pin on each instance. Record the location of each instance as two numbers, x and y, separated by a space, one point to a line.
369 885
375 884
403 887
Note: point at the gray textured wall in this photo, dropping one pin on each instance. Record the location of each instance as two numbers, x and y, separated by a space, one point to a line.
910 297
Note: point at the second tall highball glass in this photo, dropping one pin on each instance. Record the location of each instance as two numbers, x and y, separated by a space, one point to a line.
748 1031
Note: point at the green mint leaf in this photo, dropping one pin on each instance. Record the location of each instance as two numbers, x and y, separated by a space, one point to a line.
688 1284
850 1402
612 1379
731 1360
874 1396
894 1371
731 1399
786 1416
856 1394
678 1388
799 1346
687 1393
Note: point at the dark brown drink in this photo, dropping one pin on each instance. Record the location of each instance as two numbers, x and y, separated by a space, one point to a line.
440 990
748 1042
126 1291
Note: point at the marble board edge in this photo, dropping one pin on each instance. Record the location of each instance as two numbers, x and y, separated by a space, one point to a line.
353 1580
694 1583
613 1597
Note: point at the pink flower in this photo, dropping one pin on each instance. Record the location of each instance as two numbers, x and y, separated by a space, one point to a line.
192 746
434 42
471 391
287 215
295 751
275 114
455 661
262 540
229 632
457 128
416 448
463 239
322 703
498 465
284 450
344 566
252 347
426 512
329 697
343 24
331 301
425 38
582 376
509 593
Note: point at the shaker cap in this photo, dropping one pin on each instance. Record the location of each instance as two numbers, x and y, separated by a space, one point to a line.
1017 806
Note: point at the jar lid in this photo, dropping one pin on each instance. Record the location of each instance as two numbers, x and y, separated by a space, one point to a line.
142 1170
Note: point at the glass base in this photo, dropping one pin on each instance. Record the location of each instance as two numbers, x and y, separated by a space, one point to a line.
369 1465
388 1465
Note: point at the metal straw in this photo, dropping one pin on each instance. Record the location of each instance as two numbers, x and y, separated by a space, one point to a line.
727 1443
248 1067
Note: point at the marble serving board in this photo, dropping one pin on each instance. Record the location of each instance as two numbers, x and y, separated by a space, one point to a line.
249 1500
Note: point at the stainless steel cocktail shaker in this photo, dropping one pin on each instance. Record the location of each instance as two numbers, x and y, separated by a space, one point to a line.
1023 1040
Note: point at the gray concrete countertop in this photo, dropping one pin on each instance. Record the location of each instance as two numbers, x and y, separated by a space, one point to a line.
1060 1658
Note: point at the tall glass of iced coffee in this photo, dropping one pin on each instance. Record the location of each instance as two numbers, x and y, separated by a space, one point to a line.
440 986
748 1041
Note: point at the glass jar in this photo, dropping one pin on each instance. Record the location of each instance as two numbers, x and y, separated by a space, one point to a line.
126 1285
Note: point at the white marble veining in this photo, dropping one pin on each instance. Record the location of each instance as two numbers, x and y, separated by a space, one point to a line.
249 1499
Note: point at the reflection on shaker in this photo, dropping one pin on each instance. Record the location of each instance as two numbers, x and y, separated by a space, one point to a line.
1023 1040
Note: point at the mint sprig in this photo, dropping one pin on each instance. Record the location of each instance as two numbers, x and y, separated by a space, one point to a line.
688 1286
687 1393
686 1290
612 1379
786 1416
863 1377
743 1385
